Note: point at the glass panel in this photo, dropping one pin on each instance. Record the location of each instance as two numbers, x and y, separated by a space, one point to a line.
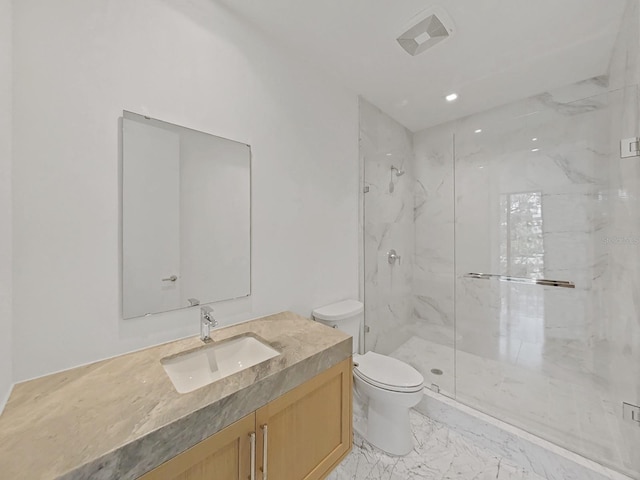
539 194
408 302
433 285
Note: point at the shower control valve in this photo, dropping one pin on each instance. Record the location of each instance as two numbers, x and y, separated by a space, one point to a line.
393 257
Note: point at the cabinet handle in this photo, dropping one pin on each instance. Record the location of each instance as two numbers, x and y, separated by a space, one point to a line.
265 437
252 439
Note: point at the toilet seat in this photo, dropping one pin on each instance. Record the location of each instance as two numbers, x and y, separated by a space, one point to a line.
387 373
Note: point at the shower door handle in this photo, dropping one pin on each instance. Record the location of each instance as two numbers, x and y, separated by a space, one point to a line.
392 257
530 281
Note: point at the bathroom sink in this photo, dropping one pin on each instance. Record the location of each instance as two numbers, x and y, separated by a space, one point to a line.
189 371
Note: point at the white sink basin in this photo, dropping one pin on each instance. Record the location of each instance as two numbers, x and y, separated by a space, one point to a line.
201 367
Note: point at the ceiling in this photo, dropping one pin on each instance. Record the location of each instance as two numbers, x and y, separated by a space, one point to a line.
500 51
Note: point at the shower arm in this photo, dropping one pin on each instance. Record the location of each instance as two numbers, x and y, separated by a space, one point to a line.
399 171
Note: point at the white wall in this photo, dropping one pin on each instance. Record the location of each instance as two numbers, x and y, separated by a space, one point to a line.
78 63
5 201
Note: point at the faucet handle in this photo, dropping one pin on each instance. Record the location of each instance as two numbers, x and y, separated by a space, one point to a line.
206 315
393 256
206 322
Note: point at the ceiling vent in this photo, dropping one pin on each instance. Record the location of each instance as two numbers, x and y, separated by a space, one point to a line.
428 29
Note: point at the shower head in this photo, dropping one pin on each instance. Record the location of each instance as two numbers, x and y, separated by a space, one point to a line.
399 172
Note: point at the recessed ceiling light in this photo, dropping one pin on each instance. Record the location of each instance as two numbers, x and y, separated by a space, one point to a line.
535 149
389 154
534 139
451 97
478 130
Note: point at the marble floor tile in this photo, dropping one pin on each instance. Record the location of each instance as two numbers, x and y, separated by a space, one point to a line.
439 454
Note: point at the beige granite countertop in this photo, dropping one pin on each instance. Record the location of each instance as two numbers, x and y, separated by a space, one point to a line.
121 417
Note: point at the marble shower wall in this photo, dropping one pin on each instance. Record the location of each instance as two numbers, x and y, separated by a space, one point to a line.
388 224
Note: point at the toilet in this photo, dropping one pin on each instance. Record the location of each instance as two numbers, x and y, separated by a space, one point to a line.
388 386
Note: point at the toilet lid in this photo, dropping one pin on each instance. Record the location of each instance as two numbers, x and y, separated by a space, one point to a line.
388 373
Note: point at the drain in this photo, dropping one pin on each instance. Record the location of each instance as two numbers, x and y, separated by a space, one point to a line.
436 371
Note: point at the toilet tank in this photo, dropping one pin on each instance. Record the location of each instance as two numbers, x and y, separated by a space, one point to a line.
347 316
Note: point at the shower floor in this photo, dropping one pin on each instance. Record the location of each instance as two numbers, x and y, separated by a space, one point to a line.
440 453
576 416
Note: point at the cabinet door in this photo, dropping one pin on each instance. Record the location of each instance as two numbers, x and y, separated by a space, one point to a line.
223 456
308 429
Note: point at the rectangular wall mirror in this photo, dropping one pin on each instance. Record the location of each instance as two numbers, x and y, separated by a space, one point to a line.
186 217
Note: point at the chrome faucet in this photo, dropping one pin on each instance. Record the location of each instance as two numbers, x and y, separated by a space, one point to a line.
206 322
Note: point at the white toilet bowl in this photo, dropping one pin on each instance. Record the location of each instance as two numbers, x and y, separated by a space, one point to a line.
388 386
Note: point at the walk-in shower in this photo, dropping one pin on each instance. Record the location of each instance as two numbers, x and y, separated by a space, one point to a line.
519 230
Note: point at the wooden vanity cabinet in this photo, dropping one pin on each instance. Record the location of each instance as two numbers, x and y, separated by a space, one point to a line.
301 435
220 456
308 428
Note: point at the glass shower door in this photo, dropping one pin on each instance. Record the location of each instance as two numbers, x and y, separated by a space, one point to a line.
408 246
537 195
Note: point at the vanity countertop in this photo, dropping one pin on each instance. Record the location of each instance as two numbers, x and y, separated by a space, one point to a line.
121 417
